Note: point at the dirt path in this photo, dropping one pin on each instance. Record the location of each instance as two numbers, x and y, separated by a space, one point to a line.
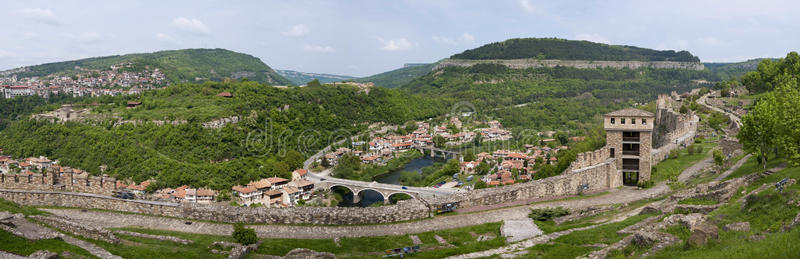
734 167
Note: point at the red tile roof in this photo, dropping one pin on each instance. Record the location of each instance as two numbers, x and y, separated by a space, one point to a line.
301 171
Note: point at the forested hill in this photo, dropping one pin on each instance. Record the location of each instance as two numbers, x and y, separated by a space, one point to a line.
187 65
734 70
561 49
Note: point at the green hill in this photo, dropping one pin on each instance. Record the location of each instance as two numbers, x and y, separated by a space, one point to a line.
734 70
301 78
552 48
397 77
187 65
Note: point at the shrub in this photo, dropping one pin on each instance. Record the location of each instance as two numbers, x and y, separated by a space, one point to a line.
675 153
645 184
690 149
244 236
547 213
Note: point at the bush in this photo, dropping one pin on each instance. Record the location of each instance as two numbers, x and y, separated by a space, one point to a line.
244 236
690 149
547 213
645 184
675 153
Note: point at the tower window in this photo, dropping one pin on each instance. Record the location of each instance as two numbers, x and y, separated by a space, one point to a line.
633 121
612 120
644 121
622 121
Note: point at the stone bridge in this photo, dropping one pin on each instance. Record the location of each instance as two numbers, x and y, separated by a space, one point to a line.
434 151
385 190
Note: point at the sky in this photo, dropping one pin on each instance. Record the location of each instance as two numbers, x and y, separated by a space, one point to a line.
360 37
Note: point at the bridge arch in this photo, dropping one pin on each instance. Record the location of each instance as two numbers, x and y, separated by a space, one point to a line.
398 196
364 191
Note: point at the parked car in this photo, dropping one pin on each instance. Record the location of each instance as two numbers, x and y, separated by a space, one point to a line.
404 188
322 179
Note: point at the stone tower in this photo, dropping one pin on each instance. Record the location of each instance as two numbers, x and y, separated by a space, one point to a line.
629 138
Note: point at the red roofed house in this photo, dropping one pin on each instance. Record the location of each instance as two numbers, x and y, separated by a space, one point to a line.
277 182
247 195
299 174
133 104
225 94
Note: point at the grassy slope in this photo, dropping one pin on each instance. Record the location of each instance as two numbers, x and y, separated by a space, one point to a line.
177 65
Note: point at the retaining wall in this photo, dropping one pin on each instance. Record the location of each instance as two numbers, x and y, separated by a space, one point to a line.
403 211
66 182
600 177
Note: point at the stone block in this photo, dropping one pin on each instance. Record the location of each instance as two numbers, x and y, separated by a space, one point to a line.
740 226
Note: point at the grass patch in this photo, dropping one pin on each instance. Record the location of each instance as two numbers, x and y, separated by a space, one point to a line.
461 240
575 243
136 247
672 167
629 251
16 208
21 246
752 166
698 201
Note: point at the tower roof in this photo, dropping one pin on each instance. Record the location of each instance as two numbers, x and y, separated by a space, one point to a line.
631 112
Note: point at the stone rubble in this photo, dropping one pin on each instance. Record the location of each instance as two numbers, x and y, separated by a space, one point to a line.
739 226
78 229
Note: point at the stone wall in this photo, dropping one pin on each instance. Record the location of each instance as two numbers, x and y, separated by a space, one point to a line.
584 64
674 130
590 158
66 182
403 211
599 177
79 229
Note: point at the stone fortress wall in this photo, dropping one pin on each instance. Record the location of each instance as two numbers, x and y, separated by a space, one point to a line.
66 182
675 130
583 64
403 211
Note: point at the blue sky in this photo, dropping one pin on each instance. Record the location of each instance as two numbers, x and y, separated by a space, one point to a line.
361 38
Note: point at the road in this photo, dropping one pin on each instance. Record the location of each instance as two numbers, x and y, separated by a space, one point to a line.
702 101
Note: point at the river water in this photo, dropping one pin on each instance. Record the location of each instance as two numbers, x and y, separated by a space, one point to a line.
370 197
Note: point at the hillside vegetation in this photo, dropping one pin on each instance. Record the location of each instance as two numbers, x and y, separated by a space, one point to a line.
552 48
726 71
178 65
551 98
279 128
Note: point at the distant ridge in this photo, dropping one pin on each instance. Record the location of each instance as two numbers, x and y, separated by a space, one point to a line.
186 65
562 49
301 78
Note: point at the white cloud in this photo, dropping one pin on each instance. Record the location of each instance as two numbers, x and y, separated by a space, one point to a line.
166 37
528 7
395 44
193 25
317 48
444 40
466 37
38 14
297 30
593 37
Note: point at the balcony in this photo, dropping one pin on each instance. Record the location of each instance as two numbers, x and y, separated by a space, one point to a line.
630 152
630 139
630 167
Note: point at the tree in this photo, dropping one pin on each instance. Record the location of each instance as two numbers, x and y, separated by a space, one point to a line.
468 156
325 163
477 140
439 141
759 129
480 185
483 168
244 236
719 158
562 138
294 159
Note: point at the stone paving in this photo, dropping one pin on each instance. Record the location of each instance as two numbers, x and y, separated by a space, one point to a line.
519 229
6 255
91 248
